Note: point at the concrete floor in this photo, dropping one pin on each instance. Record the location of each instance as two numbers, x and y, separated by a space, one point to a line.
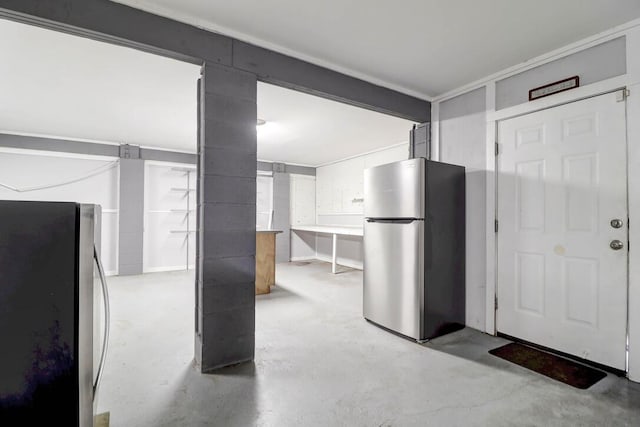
319 363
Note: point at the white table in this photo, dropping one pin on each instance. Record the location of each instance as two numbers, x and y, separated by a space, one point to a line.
334 230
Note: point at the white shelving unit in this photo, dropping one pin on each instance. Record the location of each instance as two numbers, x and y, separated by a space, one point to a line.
169 216
187 211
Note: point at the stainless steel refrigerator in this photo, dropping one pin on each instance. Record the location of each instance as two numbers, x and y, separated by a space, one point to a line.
414 247
51 293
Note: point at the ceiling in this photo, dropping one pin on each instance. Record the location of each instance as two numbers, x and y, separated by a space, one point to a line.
308 130
59 85
420 47
63 86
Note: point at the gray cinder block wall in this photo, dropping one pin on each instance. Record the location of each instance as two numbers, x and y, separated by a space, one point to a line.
131 213
281 209
227 217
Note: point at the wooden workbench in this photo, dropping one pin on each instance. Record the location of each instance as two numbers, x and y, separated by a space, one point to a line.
265 260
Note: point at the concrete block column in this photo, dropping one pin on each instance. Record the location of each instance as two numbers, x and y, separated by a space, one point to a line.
131 211
225 307
281 221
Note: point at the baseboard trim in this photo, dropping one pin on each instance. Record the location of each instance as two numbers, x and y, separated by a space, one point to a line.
161 269
302 258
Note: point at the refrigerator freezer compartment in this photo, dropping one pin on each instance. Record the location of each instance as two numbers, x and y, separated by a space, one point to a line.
395 190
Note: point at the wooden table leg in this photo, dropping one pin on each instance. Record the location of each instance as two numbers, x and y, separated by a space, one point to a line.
265 262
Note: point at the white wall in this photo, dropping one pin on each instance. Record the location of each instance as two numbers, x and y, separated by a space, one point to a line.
453 135
28 168
633 140
339 193
264 200
462 142
303 211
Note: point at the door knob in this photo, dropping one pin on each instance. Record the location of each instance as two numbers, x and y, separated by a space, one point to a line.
616 223
616 245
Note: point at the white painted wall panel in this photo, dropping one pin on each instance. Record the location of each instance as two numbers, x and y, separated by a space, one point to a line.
393 154
462 142
23 169
349 252
303 211
340 185
303 199
592 65
164 249
340 189
160 181
264 201
109 240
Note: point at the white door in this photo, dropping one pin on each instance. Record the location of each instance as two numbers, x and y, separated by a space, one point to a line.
562 180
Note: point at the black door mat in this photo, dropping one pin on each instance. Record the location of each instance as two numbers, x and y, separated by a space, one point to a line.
550 365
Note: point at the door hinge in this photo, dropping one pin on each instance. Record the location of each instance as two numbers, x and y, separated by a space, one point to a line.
495 225
495 302
497 148
623 95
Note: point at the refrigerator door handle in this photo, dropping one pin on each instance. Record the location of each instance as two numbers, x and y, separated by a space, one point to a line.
393 221
107 316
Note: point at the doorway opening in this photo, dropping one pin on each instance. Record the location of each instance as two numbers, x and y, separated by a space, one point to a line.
316 151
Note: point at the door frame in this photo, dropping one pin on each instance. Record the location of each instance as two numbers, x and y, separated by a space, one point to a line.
493 117
591 91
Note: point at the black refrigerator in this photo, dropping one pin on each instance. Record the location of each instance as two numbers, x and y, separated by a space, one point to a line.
50 359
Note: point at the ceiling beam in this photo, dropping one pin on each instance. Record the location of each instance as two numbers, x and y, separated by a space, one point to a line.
120 24
292 73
